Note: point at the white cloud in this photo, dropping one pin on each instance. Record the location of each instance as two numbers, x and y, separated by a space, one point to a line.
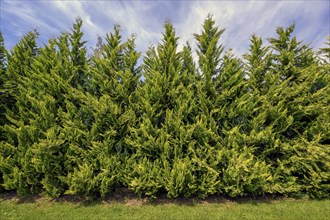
99 19
132 18
242 19
27 16
145 19
70 10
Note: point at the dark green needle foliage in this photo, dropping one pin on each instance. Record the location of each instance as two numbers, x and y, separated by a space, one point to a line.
4 96
176 122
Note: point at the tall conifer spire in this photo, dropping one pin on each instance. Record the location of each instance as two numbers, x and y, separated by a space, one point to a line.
209 52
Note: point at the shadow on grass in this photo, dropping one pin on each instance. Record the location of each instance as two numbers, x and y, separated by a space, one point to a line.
215 199
12 195
127 197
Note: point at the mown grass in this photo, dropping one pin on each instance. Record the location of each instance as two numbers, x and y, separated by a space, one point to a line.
14 207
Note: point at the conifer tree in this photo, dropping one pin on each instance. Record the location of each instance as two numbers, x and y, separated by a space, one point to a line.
188 74
18 173
49 115
223 79
258 61
231 90
74 114
78 55
114 78
209 53
149 139
44 90
172 139
230 108
290 54
3 98
258 64
234 110
18 62
291 58
209 60
288 110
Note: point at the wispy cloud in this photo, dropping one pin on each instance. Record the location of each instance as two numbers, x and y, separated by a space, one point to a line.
70 10
134 18
17 19
244 18
146 18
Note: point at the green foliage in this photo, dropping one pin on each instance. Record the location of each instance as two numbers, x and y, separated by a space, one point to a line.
5 100
86 125
209 53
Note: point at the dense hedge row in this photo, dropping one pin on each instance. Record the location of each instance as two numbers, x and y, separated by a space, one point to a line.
74 123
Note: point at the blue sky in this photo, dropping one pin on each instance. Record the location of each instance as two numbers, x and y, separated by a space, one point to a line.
146 18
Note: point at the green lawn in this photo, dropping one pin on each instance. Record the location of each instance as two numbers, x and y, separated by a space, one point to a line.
12 207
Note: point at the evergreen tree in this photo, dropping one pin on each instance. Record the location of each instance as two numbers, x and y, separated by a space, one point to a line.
234 111
258 65
290 54
209 53
231 91
114 78
290 61
149 138
229 108
15 65
42 92
288 109
3 98
172 140
18 173
209 60
74 114
78 56
188 74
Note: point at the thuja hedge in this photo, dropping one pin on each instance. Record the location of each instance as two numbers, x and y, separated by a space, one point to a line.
86 123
